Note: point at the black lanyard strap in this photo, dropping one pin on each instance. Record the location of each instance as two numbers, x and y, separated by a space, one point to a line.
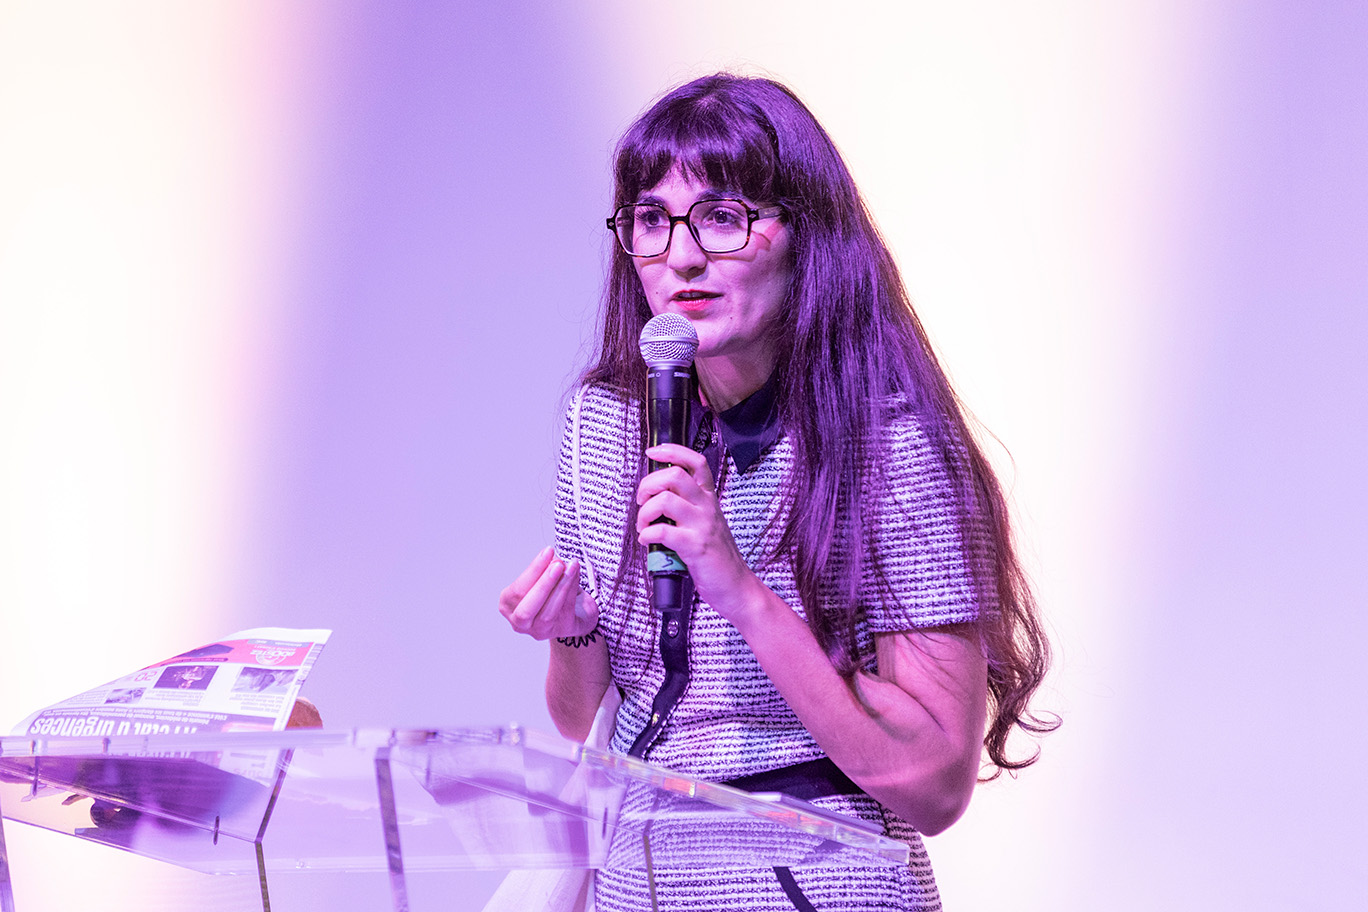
674 627
674 652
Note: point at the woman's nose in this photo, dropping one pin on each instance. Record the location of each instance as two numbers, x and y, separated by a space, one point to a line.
684 254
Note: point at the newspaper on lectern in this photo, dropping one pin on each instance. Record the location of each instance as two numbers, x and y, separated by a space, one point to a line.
247 681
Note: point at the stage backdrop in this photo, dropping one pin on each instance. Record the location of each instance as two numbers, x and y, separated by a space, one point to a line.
291 294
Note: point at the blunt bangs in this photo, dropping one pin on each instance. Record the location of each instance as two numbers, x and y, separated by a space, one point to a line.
716 140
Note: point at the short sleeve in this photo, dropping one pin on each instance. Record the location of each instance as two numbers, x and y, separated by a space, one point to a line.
932 552
569 536
594 486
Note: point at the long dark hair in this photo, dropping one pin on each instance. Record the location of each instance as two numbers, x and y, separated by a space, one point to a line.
853 358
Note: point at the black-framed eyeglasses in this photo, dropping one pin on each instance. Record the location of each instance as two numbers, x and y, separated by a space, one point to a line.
718 225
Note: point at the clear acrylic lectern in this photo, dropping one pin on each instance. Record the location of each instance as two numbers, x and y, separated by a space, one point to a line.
400 803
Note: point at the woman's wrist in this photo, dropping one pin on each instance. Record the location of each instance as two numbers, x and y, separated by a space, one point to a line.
579 642
751 603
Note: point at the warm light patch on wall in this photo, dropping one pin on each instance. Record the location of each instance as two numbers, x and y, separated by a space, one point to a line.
141 163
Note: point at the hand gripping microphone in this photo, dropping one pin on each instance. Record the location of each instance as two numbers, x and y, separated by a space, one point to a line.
668 346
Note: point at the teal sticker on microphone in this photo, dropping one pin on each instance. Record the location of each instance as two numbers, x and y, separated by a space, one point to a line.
664 562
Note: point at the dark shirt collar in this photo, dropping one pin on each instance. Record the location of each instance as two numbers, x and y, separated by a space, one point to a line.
751 427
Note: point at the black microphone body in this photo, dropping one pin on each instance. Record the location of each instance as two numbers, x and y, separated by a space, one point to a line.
669 402
668 345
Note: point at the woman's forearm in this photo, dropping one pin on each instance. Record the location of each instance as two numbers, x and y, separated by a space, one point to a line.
576 680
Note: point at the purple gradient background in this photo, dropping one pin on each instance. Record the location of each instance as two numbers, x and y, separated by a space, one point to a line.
410 405
412 449
1235 777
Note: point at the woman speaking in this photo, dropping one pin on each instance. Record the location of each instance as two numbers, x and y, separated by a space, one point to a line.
860 632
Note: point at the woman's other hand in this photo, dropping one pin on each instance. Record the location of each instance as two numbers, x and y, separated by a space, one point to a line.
546 601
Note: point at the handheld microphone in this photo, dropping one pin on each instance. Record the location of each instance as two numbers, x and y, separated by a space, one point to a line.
668 345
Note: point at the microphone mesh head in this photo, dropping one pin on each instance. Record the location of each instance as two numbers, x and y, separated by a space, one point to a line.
668 339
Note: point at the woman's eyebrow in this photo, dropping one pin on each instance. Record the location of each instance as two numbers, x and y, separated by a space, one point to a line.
708 193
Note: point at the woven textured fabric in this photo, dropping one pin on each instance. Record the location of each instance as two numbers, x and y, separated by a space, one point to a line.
731 720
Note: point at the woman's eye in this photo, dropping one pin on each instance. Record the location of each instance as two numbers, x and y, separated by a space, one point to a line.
726 217
651 218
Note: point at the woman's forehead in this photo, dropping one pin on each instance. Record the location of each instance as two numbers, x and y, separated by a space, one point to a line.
680 182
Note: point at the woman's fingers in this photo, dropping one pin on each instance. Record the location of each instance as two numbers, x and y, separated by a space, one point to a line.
684 494
681 462
534 589
540 598
560 616
543 601
516 591
660 505
673 479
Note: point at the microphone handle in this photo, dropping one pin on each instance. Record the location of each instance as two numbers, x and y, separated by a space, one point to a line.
669 400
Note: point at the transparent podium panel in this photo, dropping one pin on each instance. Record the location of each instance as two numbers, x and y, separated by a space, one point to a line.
403 807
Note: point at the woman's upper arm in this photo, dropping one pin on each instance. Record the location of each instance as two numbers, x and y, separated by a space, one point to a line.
942 669
932 680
